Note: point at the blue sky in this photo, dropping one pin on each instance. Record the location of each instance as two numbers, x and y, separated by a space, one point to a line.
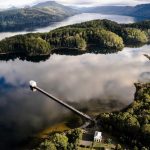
20 3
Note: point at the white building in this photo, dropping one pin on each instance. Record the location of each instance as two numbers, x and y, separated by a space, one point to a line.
98 136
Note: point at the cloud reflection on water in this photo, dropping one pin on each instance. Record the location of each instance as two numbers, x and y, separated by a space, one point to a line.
90 80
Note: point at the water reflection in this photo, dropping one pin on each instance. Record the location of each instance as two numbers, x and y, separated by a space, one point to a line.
62 51
72 20
37 59
94 82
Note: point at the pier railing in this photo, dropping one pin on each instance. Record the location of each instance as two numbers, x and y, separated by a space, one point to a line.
34 87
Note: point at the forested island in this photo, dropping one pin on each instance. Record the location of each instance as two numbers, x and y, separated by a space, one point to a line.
99 36
107 36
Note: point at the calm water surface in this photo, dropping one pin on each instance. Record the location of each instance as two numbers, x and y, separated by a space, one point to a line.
96 82
74 19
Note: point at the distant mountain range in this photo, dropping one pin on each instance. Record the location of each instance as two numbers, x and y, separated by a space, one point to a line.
137 11
54 8
46 13
39 15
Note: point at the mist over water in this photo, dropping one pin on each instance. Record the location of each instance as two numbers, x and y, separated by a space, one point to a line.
96 82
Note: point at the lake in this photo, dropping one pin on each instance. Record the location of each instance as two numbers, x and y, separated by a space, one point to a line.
72 20
93 82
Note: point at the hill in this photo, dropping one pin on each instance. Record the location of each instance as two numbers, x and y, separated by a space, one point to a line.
121 10
55 8
40 15
141 11
137 11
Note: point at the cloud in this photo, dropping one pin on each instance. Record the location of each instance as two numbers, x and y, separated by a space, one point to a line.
18 3
102 2
95 82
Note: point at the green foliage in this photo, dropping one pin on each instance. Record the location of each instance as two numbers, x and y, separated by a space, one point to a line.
60 141
81 43
118 147
37 46
144 25
101 36
133 123
135 148
146 132
25 44
47 145
100 24
74 135
146 129
109 141
133 35
75 42
144 148
108 40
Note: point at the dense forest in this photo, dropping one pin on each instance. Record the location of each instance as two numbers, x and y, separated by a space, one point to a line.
62 141
107 36
132 124
28 18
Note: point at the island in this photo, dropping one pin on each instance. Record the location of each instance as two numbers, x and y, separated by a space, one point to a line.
97 36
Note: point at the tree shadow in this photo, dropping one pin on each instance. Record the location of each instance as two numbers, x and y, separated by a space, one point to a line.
36 59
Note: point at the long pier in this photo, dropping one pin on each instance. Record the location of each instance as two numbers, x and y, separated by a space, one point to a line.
34 87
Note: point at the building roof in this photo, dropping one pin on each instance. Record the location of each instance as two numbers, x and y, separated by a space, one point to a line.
98 134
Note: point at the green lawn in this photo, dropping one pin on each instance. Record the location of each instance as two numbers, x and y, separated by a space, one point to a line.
98 145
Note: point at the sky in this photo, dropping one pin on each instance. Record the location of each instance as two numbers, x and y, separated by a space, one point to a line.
19 3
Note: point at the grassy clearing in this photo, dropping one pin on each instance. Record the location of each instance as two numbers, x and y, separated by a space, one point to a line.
97 146
55 128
